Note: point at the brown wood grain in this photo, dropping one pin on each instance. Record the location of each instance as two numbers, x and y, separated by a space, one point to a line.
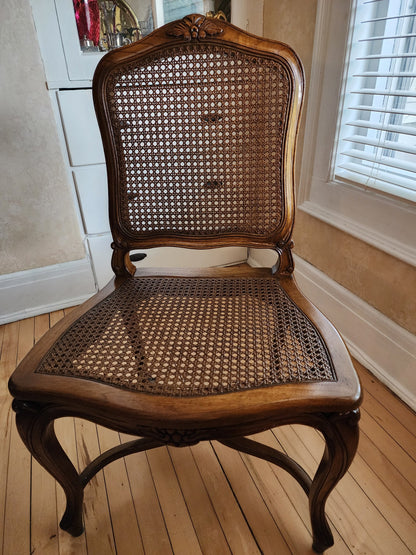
192 512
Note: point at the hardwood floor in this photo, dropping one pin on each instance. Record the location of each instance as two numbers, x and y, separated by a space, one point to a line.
207 498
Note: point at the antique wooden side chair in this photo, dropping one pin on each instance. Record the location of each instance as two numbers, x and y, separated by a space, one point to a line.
199 123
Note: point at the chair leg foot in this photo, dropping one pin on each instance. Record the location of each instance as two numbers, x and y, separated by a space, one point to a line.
321 548
74 527
341 436
35 424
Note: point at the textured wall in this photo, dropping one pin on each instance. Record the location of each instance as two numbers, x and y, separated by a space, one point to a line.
38 225
379 279
293 22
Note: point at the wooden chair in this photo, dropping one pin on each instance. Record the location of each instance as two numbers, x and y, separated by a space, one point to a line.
199 123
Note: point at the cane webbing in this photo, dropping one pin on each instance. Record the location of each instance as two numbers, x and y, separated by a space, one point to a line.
192 336
199 133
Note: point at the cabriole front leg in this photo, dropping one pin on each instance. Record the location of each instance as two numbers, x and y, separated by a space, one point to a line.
341 440
35 425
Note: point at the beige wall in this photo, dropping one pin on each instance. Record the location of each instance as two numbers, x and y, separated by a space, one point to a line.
379 279
38 225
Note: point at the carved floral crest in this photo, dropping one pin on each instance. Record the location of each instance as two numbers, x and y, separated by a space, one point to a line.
195 27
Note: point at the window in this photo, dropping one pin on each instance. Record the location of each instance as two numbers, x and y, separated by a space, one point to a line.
358 164
169 10
376 145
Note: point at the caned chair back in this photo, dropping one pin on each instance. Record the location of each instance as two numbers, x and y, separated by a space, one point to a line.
199 122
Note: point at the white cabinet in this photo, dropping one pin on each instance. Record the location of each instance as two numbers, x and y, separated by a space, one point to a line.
91 184
80 65
81 131
69 73
101 252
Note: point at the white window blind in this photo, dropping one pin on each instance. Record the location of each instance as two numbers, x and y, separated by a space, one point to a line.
376 144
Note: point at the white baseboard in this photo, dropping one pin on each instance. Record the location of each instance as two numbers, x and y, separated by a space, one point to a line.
33 292
381 345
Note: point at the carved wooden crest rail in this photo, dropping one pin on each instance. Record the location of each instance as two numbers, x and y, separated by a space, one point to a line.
195 27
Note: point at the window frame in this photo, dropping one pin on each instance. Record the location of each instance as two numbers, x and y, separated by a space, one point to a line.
381 220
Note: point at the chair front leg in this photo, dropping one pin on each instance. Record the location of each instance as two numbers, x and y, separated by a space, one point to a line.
35 424
341 436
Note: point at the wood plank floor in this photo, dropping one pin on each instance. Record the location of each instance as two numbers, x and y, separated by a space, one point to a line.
207 498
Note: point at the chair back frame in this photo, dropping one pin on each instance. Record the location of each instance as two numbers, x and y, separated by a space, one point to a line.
132 91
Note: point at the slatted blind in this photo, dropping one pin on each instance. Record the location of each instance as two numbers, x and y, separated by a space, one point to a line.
376 144
170 10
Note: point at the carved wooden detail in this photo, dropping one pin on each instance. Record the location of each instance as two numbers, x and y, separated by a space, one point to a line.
120 261
194 27
177 438
285 265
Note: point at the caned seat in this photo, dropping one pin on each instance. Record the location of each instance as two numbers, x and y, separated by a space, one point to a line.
199 122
